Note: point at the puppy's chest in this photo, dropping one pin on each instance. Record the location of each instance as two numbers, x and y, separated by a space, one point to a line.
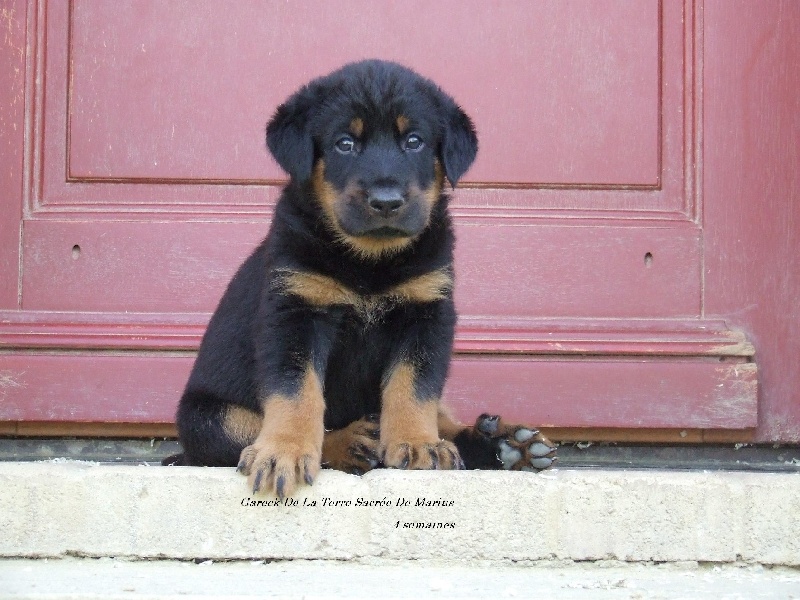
319 290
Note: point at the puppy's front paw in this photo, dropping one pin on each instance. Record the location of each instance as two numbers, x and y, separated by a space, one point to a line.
278 466
421 455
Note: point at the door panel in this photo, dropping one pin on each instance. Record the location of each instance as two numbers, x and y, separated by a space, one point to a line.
138 388
182 65
608 393
509 270
622 272
131 266
142 388
583 110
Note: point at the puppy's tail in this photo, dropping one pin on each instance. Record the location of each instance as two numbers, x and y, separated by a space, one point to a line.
176 460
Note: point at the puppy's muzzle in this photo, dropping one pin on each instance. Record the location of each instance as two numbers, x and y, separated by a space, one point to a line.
385 202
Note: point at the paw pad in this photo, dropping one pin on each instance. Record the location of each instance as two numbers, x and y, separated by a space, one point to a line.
518 448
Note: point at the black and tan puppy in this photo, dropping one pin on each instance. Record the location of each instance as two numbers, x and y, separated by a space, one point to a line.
331 344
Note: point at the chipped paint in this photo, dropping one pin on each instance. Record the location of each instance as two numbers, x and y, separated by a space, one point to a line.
10 380
7 380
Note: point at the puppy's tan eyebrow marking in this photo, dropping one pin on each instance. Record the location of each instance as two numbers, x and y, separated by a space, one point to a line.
357 126
402 123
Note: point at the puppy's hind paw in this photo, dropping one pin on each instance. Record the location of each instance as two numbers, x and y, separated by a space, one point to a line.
518 447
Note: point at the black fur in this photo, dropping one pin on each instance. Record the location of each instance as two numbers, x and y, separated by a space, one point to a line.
260 339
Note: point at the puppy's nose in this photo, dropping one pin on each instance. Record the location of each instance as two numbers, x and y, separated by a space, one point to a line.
385 201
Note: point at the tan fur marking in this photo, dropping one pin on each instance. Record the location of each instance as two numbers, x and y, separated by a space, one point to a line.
357 127
434 191
402 123
375 247
335 446
321 290
338 447
326 194
318 290
405 417
429 287
449 427
296 417
241 425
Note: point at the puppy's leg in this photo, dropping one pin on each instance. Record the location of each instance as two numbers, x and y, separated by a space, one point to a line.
493 444
292 350
409 426
213 432
288 448
412 385
353 449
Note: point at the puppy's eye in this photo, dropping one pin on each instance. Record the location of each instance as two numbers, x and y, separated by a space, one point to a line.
413 143
345 144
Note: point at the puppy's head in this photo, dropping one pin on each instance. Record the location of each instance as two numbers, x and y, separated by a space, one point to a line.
376 141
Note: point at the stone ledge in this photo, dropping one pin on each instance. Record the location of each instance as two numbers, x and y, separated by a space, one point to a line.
56 509
119 579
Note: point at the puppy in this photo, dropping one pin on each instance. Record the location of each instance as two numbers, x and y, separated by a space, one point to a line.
331 345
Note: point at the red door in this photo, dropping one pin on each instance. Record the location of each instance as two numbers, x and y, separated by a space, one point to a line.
627 238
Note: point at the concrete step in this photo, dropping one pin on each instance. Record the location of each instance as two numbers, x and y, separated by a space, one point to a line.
67 508
111 579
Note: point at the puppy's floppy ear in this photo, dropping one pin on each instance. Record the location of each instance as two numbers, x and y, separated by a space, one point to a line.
289 134
459 143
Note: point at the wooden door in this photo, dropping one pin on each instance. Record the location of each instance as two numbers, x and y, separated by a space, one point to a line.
595 231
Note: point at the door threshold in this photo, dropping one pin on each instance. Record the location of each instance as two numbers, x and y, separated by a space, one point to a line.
573 455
